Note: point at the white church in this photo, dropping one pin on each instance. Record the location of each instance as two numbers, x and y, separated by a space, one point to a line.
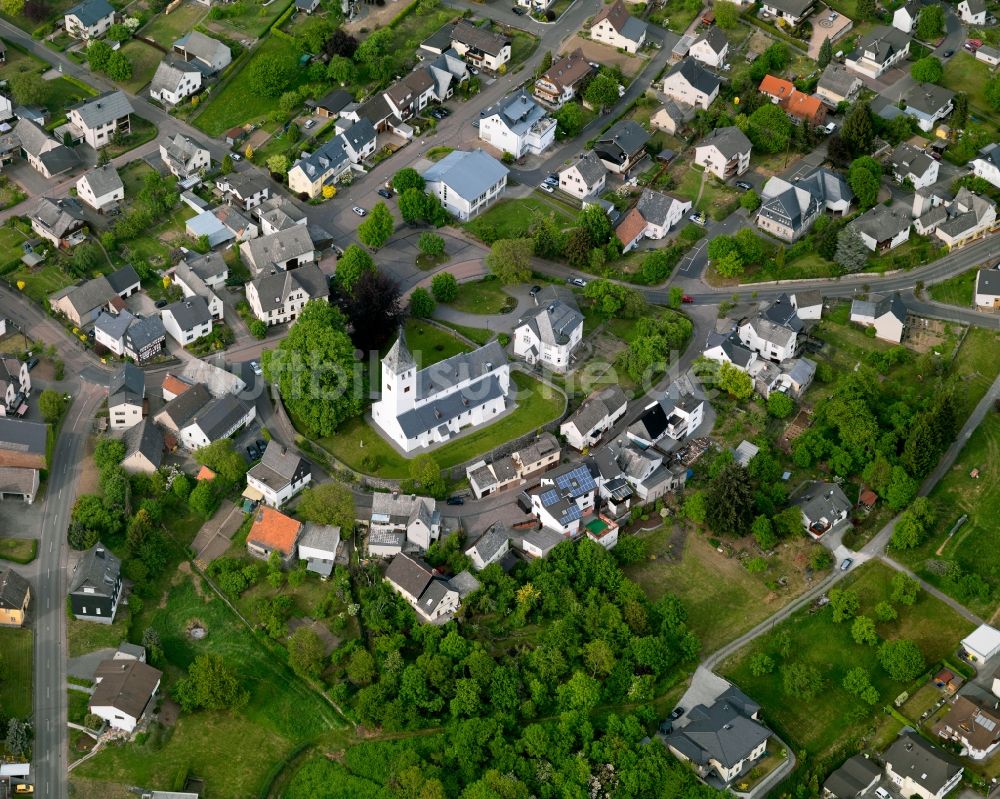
427 406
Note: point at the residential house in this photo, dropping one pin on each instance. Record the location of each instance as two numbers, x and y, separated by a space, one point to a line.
126 397
306 6
514 469
432 597
972 725
981 645
972 12
615 27
411 94
799 106
325 166
416 517
878 51
466 182
174 80
725 152
562 80
204 51
480 46
564 496
285 250
97 120
193 286
273 531
15 596
43 153
987 296
184 156
96 586
773 331
642 470
548 333
726 347
918 769
854 779
661 212
711 48
15 386
218 419
586 177
181 409
690 83
490 547
360 140
124 692
144 445
22 457
988 55
217 380
517 125
245 190
187 320
330 105
777 89
792 12
60 221
281 296
89 19
318 548
82 304
129 336
173 386
535 543
970 217
787 211
595 416
381 543
210 267
672 116
838 85
928 104
236 222
887 316
882 229
722 740
630 230
279 475
823 506
10 147
622 146
676 416
904 18
101 188
909 163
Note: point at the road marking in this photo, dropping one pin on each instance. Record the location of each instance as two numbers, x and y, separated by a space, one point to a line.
50 546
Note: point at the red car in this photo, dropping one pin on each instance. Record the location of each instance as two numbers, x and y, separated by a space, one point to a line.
687 298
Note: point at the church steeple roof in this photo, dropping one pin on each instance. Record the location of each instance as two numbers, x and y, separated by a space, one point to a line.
399 359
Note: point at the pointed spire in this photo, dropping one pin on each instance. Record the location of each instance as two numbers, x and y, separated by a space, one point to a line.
399 359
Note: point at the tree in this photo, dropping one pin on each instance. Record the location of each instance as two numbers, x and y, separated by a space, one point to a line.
313 34
328 504
313 368
509 260
594 221
18 739
825 53
119 67
927 70
152 644
305 653
580 693
734 381
960 116
98 55
378 227
351 265
444 287
375 52
615 300
257 328
727 15
885 612
730 501
569 120
601 92
902 659
801 681
28 88
361 667
908 532
89 522
750 200
412 204
431 245
204 499
426 474
780 405
407 178
763 533
858 682
852 254
863 631
341 70
210 685
769 129
12 8
277 164
227 164
904 589
421 303
269 75
858 130
222 458
930 23
992 92
866 9
374 310
863 183
844 604
761 664
901 489
108 452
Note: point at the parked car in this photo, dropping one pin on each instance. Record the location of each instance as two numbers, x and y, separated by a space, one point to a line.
845 564
32 363
698 218
160 303
552 180
256 368
830 128
455 501
742 184
252 452
579 282
546 187
384 193
882 793
949 53
261 445
359 211
518 10
934 154
236 156
687 298
309 123
535 290
676 713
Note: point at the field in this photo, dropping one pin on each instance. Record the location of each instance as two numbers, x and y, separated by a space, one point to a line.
252 17
963 73
509 219
87 636
818 724
165 29
18 550
537 404
232 752
482 297
958 290
722 598
716 198
238 102
145 58
15 687
40 281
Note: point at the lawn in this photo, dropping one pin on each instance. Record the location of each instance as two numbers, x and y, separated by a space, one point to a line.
10 193
78 705
145 58
142 131
238 102
430 344
233 752
818 724
808 266
963 73
676 15
40 281
86 636
357 440
485 297
15 687
478 334
18 550
717 199
957 290
723 600
165 29
511 219
64 92
252 17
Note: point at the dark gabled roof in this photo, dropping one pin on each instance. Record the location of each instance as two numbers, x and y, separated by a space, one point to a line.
98 569
848 781
335 101
126 685
273 290
219 416
794 7
715 39
184 406
626 139
90 12
722 731
124 278
929 767
928 98
190 312
13 590
988 282
279 467
409 574
491 542
730 141
129 382
143 332
696 75
478 38
22 443
147 439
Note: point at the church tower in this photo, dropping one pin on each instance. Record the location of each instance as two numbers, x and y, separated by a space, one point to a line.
399 377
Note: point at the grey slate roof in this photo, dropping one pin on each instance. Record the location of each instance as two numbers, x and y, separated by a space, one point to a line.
180 149
794 7
279 467
335 101
465 584
827 186
273 290
113 325
788 204
203 47
730 141
928 98
89 295
633 29
445 374
911 756
479 38
217 418
399 358
821 500
103 109
882 223
61 216
468 173
99 569
182 408
282 246
715 38
208 266
32 137
732 346
123 279
410 574
147 439
848 781
976 6
189 312
838 80
596 407
988 281
443 410
128 383
722 731
321 536
360 134
883 42
517 111
622 141
696 75
13 590
144 332
490 542
553 323
590 167
103 180
90 12
170 73
654 206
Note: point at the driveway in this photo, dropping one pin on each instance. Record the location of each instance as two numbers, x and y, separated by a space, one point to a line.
824 28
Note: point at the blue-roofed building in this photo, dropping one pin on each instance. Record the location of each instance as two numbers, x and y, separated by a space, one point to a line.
466 182
564 497
208 224
89 19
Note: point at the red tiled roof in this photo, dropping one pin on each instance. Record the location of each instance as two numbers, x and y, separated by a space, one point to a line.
272 529
630 227
776 87
174 385
804 106
204 473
